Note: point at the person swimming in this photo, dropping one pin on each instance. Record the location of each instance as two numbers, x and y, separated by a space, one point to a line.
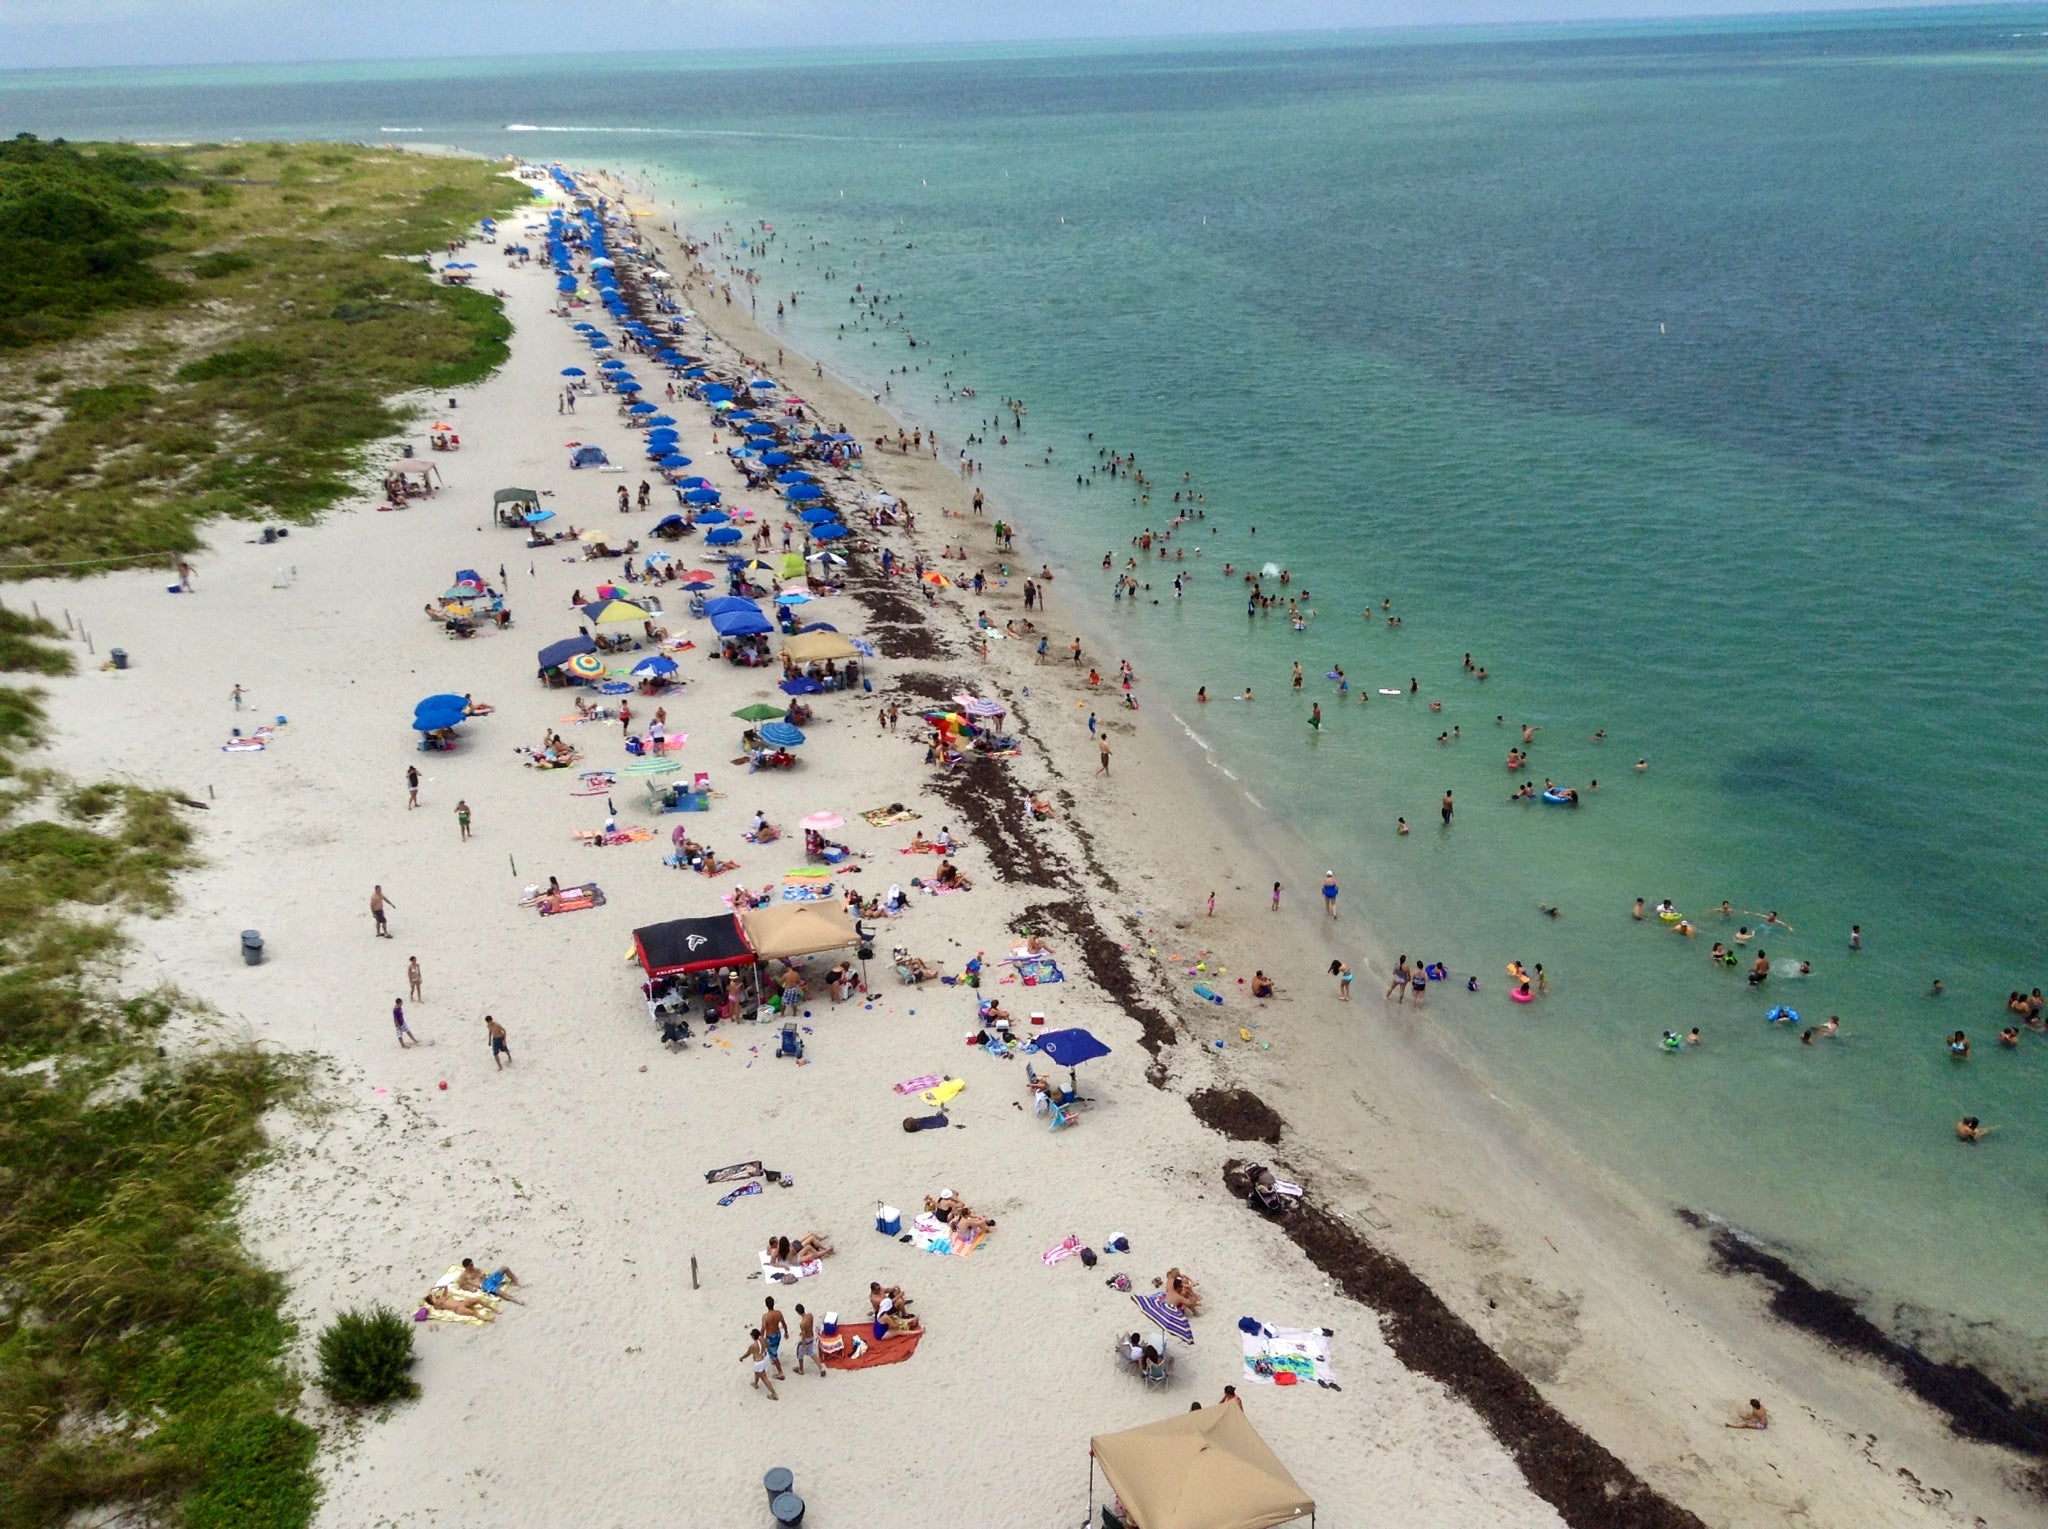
1959 1046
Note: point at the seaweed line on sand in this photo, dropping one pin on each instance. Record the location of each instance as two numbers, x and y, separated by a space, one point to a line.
1976 1406
1569 1469
1103 957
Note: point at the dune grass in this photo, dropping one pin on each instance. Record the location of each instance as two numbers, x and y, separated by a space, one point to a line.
143 1355
234 341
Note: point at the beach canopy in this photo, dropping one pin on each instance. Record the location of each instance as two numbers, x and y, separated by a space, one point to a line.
815 647
1070 1048
781 931
1200 1470
555 654
760 711
730 603
516 496
741 624
692 945
658 664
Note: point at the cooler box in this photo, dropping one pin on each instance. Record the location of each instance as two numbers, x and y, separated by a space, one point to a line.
831 1324
888 1221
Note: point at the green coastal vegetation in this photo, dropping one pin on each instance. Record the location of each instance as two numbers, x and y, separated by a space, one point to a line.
204 331
184 334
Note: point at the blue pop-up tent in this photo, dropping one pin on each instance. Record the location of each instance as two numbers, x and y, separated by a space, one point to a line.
589 456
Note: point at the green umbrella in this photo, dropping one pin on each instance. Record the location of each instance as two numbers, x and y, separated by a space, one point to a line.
759 712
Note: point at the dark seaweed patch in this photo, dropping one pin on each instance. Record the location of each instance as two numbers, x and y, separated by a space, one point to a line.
1565 1466
1238 1113
1102 957
1976 1406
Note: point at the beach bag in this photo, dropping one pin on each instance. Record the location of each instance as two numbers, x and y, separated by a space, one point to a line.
1119 1282
1088 1259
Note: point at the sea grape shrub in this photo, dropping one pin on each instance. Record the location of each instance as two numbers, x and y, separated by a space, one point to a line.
365 1357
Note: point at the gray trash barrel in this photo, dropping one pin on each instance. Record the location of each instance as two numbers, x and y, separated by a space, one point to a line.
778 1481
788 1509
118 657
252 947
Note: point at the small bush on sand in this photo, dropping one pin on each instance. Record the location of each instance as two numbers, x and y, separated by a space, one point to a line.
365 1356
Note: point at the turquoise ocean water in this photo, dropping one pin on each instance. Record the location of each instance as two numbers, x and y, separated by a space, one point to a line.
1688 377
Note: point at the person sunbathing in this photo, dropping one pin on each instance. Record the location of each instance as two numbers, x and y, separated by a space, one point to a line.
474 1279
461 1305
919 844
812 1247
1035 945
1041 808
1181 1294
919 969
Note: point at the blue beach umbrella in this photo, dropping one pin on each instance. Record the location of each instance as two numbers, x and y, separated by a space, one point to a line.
434 722
817 515
441 702
797 493
556 654
1070 1048
762 382
665 421
614 365
675 459
713 518
639 408
797 475
701 496
782 735
801 686
775 458
830 532
723 536
572 371
659 664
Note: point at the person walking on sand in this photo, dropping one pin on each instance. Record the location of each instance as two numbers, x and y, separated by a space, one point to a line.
1212 905
405 1036
1400 982
378 903
773 1326
462 819
756 1353
1102 745
236 695
1276 897
412 977
412 787
807 1341
501 1053
1330 893
1074 648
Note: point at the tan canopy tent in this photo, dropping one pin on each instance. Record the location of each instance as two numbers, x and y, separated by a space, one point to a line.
1199 1470
807 646
783 930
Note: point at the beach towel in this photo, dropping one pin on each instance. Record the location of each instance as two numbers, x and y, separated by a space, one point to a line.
1037 970
742 1192
1059 1252
1273 1354
925 1122
938 1097
597 789
893 1349
735 1171
788 1274
882 817
805 894
623 836
242 746
1161 1311
922 849
808 873
447 1281
919 1085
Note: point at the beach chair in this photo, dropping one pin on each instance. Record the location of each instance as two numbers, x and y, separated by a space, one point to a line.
791 1043
1062 1116
906 976
1158 1374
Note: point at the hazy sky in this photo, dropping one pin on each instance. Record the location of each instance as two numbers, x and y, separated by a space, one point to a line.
81 33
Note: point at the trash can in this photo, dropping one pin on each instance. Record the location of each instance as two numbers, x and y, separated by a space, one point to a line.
252 947
777 1482
788 1509
406 448
118 657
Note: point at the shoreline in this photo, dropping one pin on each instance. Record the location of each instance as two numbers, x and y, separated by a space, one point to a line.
1959 1394
403 1171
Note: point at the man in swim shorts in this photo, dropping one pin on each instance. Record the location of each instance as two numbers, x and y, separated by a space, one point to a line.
501 1053
773 1325
807 1340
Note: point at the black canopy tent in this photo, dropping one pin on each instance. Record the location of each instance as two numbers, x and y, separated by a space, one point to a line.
692 945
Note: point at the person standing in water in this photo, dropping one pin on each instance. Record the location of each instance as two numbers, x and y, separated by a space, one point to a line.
1447 809
1330 893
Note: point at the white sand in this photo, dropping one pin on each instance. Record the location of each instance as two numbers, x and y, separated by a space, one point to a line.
616 1395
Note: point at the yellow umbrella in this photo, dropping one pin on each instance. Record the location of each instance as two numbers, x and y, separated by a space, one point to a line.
616 611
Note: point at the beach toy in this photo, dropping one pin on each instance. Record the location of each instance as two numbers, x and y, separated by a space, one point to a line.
1203 990
1782 1016
444 1083
1558 798
1243 1034
1520 995
1672 917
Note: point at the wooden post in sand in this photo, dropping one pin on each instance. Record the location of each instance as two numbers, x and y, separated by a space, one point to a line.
693 1271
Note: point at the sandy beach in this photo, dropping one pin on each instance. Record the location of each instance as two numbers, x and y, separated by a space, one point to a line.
582 1165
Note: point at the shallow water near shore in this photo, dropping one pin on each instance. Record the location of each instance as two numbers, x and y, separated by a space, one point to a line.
1685 377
